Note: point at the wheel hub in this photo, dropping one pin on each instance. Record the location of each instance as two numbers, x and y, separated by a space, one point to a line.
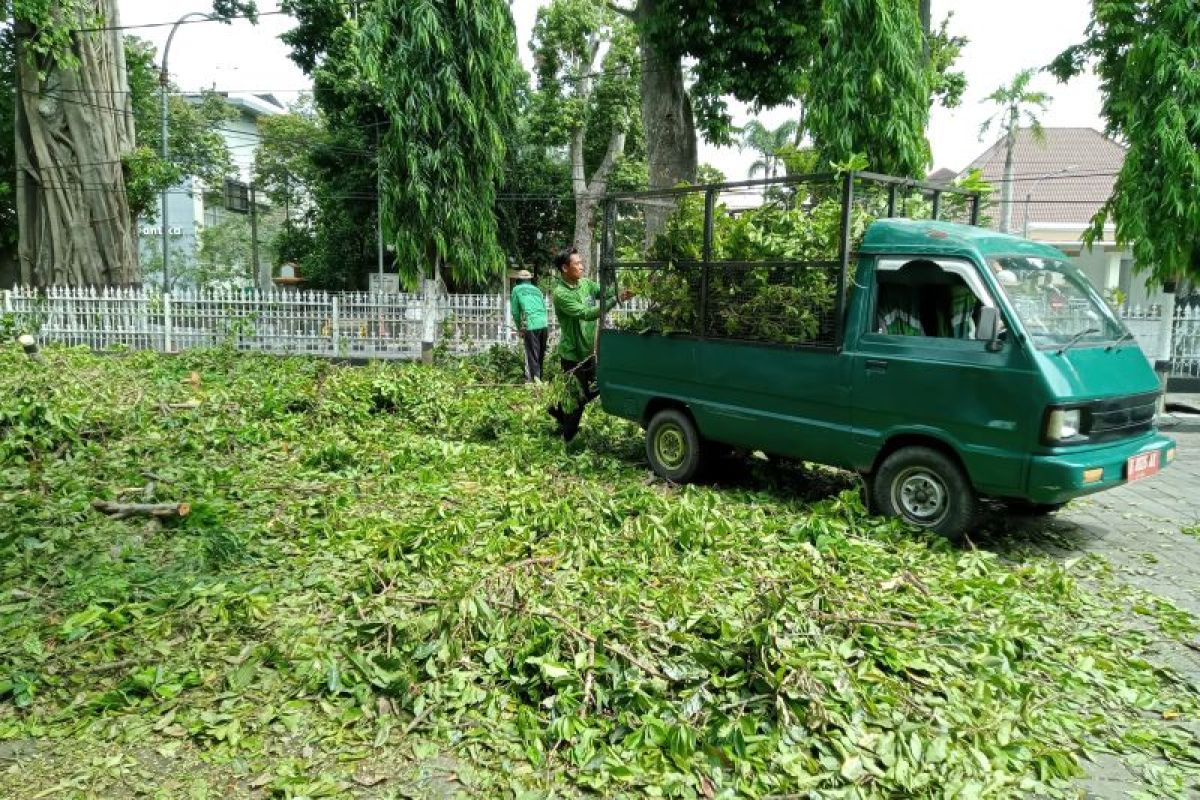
670 446
922 497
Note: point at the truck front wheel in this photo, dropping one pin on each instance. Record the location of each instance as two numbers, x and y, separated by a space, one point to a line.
925 488
673 446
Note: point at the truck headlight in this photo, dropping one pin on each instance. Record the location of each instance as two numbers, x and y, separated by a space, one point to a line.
1064 424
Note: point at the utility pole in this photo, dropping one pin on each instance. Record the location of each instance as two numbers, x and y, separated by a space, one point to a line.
164 79
379 203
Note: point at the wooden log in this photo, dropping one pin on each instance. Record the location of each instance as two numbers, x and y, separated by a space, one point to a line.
155 510
30 346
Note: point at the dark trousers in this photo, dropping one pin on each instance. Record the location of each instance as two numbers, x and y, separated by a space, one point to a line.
584 373
535 353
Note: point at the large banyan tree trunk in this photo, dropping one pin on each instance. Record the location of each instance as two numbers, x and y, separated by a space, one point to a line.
73 126
668 121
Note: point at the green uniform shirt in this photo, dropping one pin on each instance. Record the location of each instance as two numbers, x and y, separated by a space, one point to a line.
577 309
528 307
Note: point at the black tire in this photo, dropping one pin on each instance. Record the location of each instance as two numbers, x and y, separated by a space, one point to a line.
925 488
1024 508
673 446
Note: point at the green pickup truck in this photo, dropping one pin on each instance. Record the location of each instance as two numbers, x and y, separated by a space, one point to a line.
947 362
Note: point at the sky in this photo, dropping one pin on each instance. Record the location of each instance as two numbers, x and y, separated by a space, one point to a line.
1003 39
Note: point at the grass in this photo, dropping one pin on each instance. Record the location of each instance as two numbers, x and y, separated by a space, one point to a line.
392 584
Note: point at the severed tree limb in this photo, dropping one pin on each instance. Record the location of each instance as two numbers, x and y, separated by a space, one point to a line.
30 346
610 646
155 510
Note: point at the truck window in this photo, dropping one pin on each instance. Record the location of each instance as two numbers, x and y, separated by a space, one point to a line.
921 297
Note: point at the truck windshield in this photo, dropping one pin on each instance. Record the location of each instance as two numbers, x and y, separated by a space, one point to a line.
1056 304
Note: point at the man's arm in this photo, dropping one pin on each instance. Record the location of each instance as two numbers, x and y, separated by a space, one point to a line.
518 310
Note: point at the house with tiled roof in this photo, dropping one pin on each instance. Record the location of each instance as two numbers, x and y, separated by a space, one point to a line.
1060 181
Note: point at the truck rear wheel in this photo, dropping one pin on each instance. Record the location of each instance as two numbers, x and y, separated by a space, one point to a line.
925 488
673 446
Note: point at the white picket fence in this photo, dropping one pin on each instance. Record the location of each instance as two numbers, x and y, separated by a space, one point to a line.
358 324
1147 327
344 324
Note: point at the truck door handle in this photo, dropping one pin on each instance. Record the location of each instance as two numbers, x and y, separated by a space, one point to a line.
876 365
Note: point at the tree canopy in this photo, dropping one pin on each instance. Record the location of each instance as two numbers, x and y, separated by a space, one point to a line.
864 71
1015 103
587 98
447 76
337 152
1147 54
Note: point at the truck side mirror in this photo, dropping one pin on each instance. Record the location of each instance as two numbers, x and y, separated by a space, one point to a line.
988 328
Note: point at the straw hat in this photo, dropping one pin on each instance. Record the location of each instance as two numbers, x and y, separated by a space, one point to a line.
523 275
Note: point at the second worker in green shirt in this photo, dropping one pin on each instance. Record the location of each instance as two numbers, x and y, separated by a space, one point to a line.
529 315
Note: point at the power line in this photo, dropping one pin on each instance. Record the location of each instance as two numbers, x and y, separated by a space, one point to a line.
147 25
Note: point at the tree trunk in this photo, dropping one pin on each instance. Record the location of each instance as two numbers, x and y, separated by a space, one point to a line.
669 123
73 126
588 193
1006 194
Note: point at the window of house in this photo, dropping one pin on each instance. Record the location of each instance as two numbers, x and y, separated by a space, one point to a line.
237 196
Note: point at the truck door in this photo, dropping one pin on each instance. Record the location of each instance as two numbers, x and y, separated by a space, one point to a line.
919 370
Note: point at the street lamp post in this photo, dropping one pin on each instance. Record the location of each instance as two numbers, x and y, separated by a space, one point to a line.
1032 189
164 77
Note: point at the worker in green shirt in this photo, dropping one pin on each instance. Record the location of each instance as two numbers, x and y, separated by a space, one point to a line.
529 315
577 307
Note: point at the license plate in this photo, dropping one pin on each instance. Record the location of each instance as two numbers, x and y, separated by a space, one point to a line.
1142 465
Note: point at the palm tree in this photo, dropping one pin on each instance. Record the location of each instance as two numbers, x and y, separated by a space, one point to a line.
1016 103
767 143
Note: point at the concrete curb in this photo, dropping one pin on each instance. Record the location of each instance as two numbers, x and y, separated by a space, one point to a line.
1169 423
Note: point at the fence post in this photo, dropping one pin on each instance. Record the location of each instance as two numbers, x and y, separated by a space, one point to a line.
336 313
1166 331
429 320
505 310
8 301
167 344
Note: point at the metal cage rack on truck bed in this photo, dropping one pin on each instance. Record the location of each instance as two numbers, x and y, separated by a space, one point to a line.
763 261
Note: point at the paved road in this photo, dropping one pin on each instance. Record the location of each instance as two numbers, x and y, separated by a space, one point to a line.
1139 528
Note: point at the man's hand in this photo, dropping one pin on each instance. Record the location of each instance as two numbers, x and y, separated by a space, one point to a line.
626 294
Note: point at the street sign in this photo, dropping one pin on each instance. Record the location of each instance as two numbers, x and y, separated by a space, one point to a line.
386 283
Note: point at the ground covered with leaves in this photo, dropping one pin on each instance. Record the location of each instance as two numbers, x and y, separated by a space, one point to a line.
393 582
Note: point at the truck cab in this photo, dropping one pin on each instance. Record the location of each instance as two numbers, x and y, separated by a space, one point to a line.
968 364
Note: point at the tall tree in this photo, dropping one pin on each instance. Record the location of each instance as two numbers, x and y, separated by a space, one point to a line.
1147 54
1016 103
667 110
74 130
534 211
863 70
74 127
447 75
581 96
8 165
343 153
769 144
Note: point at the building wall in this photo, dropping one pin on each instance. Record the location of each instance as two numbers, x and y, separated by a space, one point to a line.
185 216
1106 265
187 210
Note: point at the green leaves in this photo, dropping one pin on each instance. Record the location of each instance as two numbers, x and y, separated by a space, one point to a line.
1145 54
390 570
447 76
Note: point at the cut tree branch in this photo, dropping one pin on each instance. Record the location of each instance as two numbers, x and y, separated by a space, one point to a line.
155 510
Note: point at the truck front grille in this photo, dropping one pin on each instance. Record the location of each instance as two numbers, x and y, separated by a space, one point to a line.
1122 417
